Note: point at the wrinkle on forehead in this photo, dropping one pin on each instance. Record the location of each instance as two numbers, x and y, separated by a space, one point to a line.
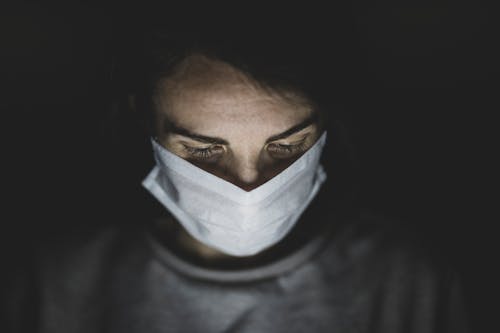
200 76
213 82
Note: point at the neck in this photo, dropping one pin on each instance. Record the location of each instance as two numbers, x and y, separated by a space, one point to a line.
173 235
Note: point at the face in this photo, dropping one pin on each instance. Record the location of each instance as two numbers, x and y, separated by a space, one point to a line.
213 116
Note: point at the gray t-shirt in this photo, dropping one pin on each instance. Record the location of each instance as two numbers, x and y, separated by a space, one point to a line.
366 277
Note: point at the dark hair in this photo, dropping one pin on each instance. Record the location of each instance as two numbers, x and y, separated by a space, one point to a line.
279 63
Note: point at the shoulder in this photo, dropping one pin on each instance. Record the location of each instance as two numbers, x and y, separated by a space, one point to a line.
62 268
380 246
390 267
81 254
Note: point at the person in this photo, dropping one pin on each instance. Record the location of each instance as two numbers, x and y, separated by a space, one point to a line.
257 232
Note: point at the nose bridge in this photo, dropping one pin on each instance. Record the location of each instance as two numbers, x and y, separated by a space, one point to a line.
246 166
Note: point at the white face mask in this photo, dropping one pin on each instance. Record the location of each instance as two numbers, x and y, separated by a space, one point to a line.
225 217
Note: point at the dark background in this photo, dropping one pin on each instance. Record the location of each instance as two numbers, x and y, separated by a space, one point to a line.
421 84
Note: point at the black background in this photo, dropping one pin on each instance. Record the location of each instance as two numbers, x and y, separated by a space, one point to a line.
422 84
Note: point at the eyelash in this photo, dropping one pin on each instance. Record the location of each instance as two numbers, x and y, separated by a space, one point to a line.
202 153
210 152
287 149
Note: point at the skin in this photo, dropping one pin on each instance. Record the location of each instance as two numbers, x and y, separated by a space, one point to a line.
214 116
210 99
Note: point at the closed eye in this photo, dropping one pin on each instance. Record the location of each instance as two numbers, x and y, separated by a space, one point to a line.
204 154
279 150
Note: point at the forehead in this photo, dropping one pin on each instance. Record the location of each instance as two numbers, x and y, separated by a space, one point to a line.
205 93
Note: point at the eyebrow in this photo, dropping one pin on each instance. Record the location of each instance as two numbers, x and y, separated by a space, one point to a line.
175 129
294 129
